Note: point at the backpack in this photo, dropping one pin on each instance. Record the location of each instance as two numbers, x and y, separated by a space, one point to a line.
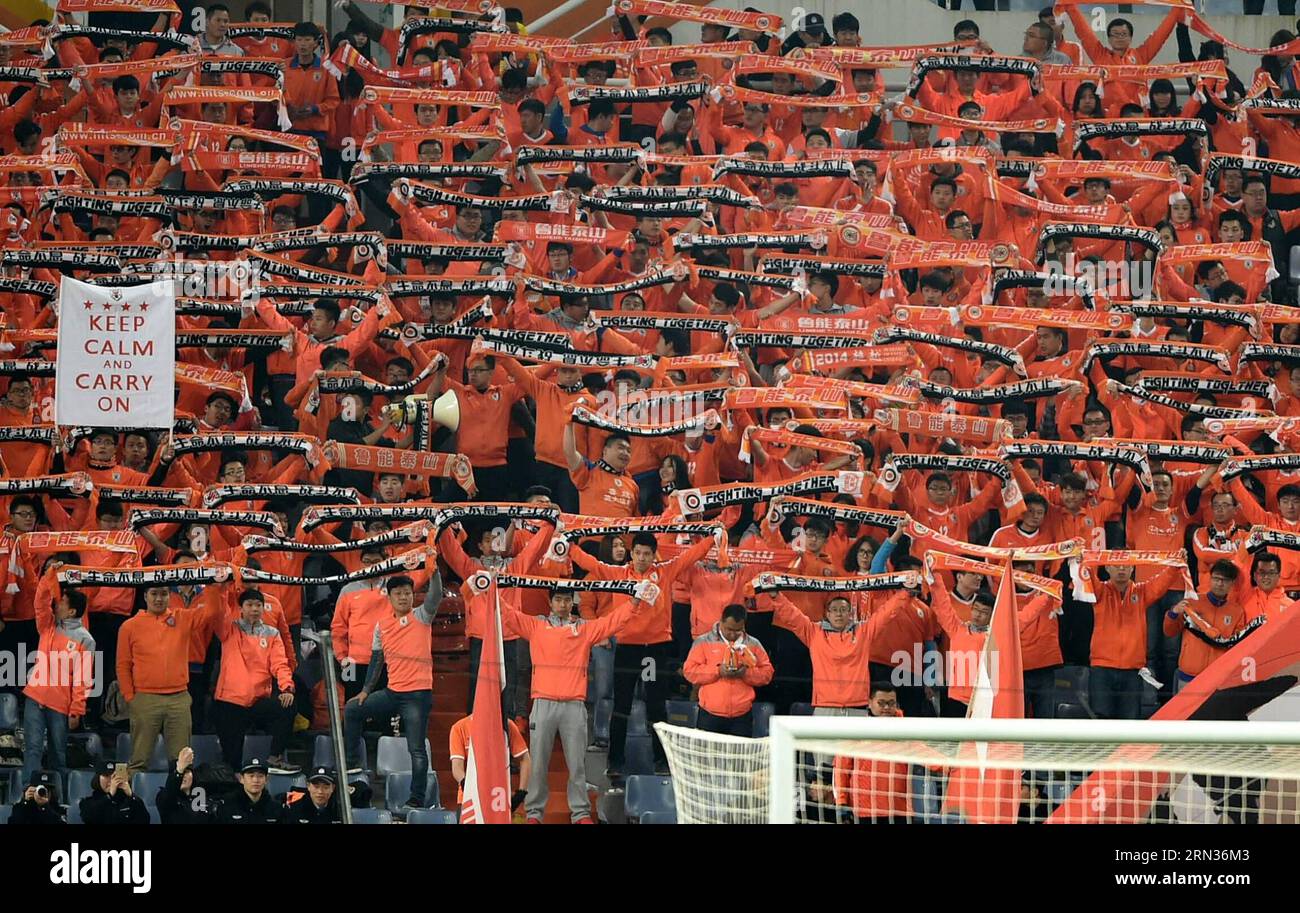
115 709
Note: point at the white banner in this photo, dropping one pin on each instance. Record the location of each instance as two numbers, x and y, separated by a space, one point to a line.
116 364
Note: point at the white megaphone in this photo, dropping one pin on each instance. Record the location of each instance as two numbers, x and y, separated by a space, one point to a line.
444 411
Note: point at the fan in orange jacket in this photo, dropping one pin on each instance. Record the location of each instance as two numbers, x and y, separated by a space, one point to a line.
58 684
875 791
839 646
727 665
1212 622
255 686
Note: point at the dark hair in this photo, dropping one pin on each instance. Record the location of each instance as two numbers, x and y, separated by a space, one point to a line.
646 539
514 78
1073 481
966 25
734 612
251 593
1035 498
600 108
1265 558
727 294
126 83
76 601
334 355
1225 568
397 582
878 686
330 308
817 525
257 6
1226 290
533 491
1232 215
944 182
1119 22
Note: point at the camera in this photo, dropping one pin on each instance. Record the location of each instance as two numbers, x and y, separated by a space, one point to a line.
42 792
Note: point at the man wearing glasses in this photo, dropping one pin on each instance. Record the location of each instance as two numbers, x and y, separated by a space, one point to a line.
1211 624
1267 597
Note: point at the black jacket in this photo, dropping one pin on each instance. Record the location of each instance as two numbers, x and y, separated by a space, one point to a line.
303 811
119 808
25 812
239 809
174 807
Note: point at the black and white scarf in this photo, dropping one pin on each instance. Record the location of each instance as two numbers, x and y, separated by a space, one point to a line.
139 519
216 495
1192 351
1025 389
582 95
809 168
1004 354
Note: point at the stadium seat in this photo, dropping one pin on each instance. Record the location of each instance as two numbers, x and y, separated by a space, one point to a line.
146 784
600 720
90 742
256 746
323 753
801 709
207 749
12 779
397 789
392 756
74 813
682 713
4 813
8 712
371 816
600 679
646 794
80 785
1073 712
433 816
640 757
763 711
668 816
279 784
157 757
636 720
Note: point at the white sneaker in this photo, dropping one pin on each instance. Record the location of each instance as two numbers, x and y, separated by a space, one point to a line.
1149 677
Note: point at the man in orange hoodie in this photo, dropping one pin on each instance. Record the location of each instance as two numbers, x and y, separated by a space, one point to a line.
727 664
310 92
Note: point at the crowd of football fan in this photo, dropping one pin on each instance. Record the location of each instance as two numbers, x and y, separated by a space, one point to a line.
710 314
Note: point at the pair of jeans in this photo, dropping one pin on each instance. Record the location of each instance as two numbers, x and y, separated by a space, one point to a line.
1115 694
41 724
414 708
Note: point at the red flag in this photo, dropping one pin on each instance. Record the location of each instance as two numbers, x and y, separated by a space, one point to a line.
1255 680
986 795
487 772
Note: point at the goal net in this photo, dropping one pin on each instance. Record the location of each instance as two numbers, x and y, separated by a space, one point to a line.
827 770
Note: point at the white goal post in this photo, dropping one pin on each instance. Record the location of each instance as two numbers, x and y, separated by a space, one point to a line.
1102 771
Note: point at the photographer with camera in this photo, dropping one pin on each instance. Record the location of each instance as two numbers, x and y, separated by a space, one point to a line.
37 806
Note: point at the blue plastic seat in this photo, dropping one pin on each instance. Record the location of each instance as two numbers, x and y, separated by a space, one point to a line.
762 712
664 817
392 755
371 816
4 813
397 789
256 746
323 753
81 783
8 712
146 784
636 719
639 755
279 784
433 816
682 713
91 742
648 794
74 813
13 783
157 758
207 749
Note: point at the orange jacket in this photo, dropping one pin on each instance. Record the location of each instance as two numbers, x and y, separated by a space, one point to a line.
727 697
841 677
250 658
1119 632
1223 622
354 622
873 789
560 652
65 664
310 87
153 651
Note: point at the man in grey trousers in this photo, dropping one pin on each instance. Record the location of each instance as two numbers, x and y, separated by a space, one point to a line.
560 645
